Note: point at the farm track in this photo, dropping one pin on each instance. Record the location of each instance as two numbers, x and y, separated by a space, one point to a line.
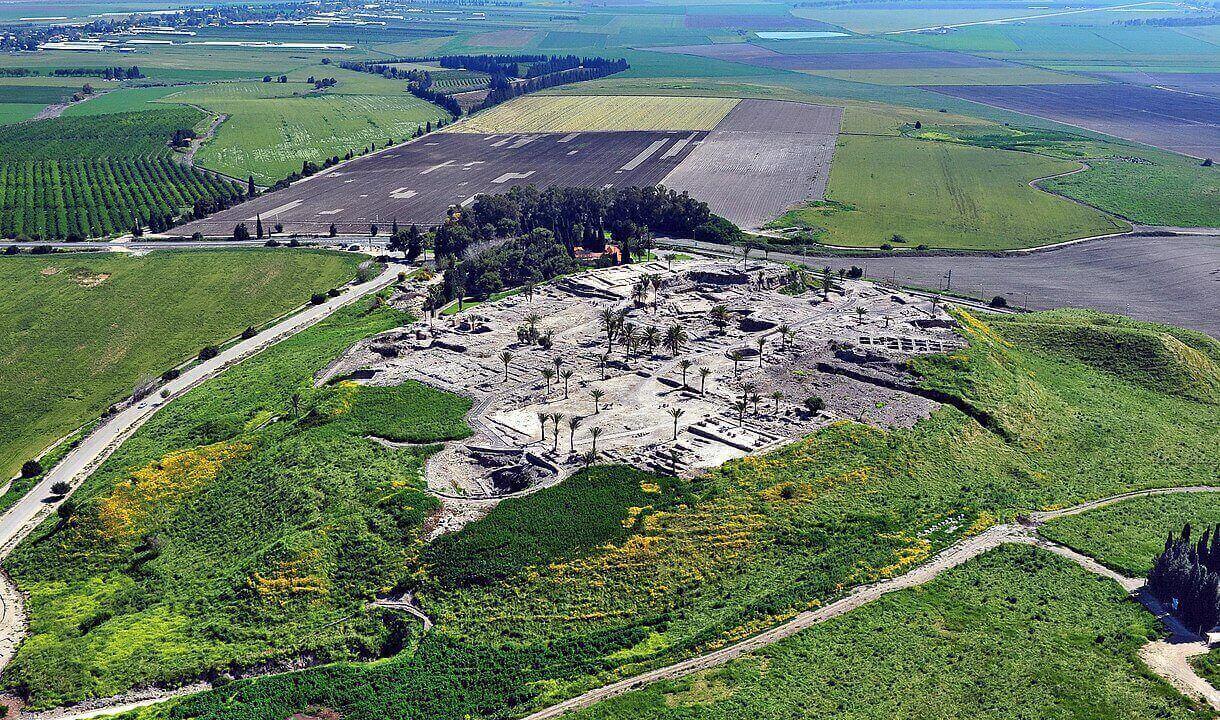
1178 673
1168 658
97 446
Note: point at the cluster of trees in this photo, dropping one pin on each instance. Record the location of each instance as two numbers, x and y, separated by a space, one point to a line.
1188 572
280 79
528 259
1173 21
182 137
425 92
106 73
544 72
575 217
321 83
501 92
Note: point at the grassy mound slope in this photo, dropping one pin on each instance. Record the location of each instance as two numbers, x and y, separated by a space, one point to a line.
77 332
236 527
744 547
1128 535
1009 635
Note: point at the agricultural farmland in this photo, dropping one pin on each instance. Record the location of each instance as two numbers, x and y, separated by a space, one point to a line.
761 159
75 178
76 334
568 113
1183 122
416 183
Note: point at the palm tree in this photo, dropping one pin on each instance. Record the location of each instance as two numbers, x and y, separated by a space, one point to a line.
529 292
595 433
602 360
685 365
755 399
762 343
548 374
506 357
783 336
720 317
573 423
676 413
675 338
588 459
827 276
652 337
746 389
735 356
542 420
777 396
740 406
295 402
860 313
556 418
597 395
703 373
791 336
558 363
566 374
532 321
610 325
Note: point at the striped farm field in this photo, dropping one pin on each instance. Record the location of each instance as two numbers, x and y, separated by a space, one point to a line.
573 113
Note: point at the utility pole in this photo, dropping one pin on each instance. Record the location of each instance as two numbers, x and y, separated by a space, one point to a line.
949 280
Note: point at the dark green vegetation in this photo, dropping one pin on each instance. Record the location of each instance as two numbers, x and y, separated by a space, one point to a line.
1008 635
1185 572
74 178
248 522
1128 535
77 332
700 562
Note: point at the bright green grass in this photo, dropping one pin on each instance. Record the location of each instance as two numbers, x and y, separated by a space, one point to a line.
944 196
1139 183
1008 635
18 112
732 552
123 100
172 566
1128 535
69 350
271 137
35 94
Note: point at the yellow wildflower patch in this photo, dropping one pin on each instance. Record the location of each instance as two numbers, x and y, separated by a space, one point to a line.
155 490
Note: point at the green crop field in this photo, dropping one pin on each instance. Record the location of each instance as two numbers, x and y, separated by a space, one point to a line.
77 332
269 137
1006 635
80 177
18 112
944 196
639 569
1128 535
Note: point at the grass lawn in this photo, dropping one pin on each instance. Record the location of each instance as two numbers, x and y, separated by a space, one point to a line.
77 332
1128 535
942 195
17 112
269 132
1008 635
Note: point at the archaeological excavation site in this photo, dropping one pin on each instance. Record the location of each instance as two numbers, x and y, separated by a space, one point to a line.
673 365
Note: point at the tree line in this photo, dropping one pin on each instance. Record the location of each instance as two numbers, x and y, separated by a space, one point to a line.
1188 572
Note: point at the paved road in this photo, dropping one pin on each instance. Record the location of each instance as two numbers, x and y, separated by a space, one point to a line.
98 445
1173 280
